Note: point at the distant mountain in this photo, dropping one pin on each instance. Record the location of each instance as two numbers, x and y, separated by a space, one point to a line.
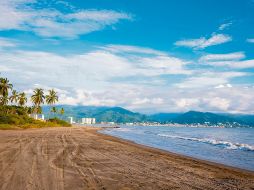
164 117
102 114
246 119
121 115
193 117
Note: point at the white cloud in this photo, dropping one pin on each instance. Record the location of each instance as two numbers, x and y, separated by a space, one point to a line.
105 16
203 42
140 101
231 60
95 78
224 86
4 42
243 64
10 16
225 25
218 103
223 57
250 40
208 79
147 99
186 102
4 68
149 62
83 97
162 65
20 15
132 49
94 68
233 64
235 100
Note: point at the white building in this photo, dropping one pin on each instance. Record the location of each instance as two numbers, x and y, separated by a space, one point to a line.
88 120
37 116
71 120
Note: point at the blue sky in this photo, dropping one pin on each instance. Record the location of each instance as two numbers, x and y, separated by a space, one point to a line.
147 56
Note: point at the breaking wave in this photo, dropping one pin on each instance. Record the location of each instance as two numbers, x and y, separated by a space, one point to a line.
225 144
122 129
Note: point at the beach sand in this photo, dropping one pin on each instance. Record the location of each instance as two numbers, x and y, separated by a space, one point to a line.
80 158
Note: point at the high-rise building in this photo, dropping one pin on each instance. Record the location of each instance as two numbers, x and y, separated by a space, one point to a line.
88 120
71 120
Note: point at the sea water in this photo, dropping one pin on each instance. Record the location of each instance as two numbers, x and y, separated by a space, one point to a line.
229 146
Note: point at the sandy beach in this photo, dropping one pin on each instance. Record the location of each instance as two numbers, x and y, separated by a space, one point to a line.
81 158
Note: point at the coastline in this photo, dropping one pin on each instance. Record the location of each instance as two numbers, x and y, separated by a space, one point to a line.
161 151
216 164
84 158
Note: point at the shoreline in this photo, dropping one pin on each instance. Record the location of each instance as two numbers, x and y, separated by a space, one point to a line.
84 158
162 151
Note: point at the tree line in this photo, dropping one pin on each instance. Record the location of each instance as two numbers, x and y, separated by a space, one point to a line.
10 96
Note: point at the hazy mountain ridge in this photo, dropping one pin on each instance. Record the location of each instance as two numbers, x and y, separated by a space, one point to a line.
121 115
164 117
102 114
203 117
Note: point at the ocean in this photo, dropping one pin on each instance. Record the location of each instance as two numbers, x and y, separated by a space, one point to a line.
229 146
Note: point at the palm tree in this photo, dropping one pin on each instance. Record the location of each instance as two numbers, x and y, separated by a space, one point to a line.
54 110
4 100
32 109
14 97
4 90
5 86
51 99
39 110
29 110
22 99
62 112
38 98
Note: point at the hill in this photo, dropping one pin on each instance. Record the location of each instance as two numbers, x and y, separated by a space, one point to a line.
164 117
246 119
193 117
121 115
102 114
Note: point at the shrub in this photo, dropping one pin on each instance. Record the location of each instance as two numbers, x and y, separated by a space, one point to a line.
59 122
12 117
7 126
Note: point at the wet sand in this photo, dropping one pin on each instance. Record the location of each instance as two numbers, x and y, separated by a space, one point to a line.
80 158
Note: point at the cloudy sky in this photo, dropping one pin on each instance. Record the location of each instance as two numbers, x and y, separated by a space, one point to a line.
147 56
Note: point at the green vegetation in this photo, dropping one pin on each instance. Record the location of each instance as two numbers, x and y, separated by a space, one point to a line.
59 122
38 99
14 117
51 99
14 97
14 114
62 112
22 99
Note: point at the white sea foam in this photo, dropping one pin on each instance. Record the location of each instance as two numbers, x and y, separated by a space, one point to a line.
122 129
226 144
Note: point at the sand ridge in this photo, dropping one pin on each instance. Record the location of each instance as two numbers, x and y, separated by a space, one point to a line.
80 158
